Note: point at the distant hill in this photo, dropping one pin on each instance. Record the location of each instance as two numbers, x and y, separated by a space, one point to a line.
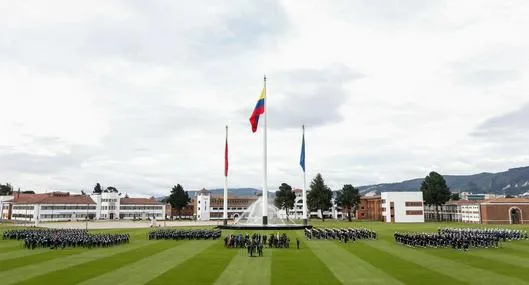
513 181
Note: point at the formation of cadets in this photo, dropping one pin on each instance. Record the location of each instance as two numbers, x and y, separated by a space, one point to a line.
184 234
256 241
460 238
342 234
61 238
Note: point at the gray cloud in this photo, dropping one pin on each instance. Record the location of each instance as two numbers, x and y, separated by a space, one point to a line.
161 33
312 97
506 126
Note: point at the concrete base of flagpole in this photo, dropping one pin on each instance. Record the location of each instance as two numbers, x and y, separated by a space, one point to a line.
305 222
265 220
225 222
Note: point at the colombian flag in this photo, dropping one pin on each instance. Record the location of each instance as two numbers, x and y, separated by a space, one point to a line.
259 110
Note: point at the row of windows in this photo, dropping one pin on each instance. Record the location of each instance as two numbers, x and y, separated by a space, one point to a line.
414 213
109 200
69 207
23 207
233 209
156 207
136 215
414 204
59 216
30 216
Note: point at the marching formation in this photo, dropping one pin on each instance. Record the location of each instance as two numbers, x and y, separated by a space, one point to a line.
460 238
61 238
256 242
184 234
343 234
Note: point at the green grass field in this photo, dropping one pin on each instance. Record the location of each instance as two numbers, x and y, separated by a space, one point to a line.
317 262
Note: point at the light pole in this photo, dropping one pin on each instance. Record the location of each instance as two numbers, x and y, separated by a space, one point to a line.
86 218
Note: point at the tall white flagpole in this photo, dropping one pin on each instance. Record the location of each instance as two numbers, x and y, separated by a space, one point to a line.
305 214
265 167
225 205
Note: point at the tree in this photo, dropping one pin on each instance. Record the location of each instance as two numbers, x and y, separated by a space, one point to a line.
285 198
435 191
97 189
178 199
111 189
6 189
455 197
319 196
348 198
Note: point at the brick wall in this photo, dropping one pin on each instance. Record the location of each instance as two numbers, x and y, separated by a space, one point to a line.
499 213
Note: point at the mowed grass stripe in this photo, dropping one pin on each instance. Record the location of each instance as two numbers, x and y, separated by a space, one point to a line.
517 248
148 268
28 256
445 265
345 266
244 269
498 255
293 266
32 270
21 253
399 268
11 247
80 272
491 265
215 259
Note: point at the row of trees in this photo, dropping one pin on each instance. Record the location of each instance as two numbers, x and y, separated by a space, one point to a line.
319 197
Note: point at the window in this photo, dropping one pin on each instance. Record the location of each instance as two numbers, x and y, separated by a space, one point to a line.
414 204
414 213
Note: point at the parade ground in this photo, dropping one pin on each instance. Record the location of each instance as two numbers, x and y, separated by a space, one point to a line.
380 261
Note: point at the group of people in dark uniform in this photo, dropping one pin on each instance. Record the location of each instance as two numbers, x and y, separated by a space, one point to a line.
460 238
61 238
342 234
184 234
256 242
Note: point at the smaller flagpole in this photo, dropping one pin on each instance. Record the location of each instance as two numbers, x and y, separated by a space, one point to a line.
225 205
305 216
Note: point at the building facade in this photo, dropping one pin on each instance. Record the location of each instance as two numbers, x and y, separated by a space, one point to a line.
55 206
471 213
402 207
505 211
63 206
369 208
211 207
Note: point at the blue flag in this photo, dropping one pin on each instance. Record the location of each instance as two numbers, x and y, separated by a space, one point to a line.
302 157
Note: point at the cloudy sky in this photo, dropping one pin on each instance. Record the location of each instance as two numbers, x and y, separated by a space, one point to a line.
136 94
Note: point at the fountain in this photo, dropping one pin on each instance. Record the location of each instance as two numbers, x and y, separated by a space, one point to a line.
252 218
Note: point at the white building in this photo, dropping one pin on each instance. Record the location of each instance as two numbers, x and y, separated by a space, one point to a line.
402 207
471 213
62 206
203 205
55 206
